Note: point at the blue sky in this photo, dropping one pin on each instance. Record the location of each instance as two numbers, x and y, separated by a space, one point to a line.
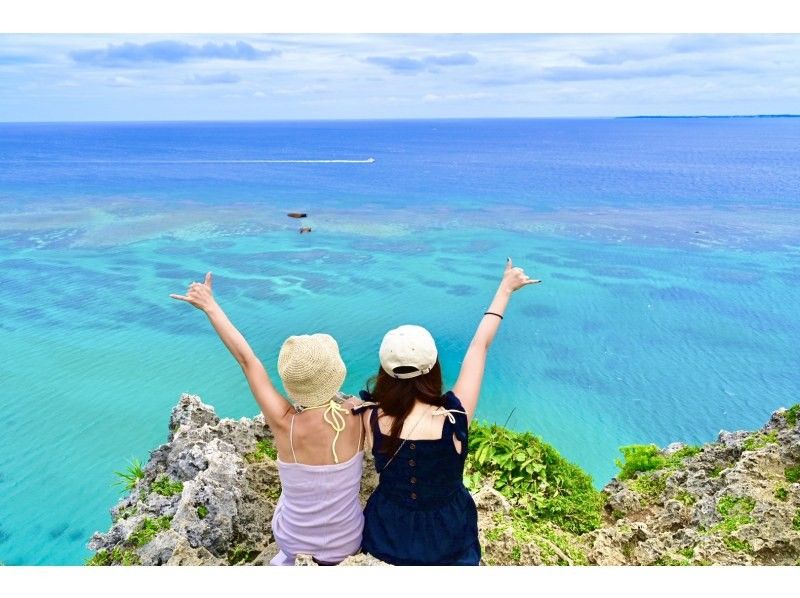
46 77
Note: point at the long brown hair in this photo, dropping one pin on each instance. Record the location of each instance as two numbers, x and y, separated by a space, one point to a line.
396 398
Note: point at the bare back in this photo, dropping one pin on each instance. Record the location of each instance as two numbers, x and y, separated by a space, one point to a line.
313 438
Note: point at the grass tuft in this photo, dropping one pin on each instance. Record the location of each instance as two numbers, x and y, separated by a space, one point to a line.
131 476
166 486
264 450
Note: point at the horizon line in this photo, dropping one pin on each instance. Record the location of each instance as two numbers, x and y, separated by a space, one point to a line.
393 119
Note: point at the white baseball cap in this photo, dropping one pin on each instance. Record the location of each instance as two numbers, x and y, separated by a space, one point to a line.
408 346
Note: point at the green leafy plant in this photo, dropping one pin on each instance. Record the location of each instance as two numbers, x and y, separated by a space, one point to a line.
131 476
670 561
126 512
241 554
115 556
166 486
638 458
737 545
676 459
264 450
796 520
759 440
685 497
781 493
148 529
535 478
688 552
792 414
202 511
792 474
735 511
650 485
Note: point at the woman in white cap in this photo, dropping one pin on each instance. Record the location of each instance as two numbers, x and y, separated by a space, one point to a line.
320 455
421 513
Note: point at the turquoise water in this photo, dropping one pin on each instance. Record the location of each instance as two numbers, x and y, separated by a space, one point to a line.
658 320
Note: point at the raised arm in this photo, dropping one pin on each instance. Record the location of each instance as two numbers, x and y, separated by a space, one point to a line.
273 405
468 386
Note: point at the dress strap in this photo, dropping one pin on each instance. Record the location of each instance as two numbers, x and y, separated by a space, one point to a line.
459 424
361 434
291 433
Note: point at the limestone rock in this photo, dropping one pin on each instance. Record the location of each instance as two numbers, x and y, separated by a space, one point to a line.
729 504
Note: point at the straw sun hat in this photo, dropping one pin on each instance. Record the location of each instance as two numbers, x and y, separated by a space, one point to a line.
311 368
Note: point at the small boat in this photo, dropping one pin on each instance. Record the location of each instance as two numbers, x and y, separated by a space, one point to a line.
297 214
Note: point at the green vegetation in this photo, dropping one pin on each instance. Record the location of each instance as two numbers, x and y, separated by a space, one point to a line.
556 546
781 493
737 545
202 511
796 520
241 554
148 529
131 476
166 486
671 561
688 552
735 511
648 457
760 440
637 458
117 556
539 483
677 458
124 554
650 485
792 474
264 450
685 497
125 513
717 470
792 414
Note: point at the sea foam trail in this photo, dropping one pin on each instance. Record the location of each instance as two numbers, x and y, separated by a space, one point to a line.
365 161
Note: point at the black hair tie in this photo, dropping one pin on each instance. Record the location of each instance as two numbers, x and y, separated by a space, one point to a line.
491 313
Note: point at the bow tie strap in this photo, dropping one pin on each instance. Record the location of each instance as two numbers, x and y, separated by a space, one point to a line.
448 413
333 416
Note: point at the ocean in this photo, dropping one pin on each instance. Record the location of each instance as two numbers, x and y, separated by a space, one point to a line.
667 248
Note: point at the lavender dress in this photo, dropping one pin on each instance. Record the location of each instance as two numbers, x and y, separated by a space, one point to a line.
319 511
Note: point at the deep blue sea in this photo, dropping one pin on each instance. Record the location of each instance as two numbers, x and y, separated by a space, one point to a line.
668 251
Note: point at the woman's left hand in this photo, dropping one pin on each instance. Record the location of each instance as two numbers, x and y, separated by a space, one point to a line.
199 294
514 278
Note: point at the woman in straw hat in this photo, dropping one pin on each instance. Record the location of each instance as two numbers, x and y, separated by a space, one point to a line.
319 441
421 513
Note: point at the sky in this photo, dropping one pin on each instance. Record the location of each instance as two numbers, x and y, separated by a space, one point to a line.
120 77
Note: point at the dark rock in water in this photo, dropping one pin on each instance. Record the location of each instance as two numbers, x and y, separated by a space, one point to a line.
208 495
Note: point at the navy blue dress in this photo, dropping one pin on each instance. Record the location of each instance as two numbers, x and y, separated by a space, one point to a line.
421 513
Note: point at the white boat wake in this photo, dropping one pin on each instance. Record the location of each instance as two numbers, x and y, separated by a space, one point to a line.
254 161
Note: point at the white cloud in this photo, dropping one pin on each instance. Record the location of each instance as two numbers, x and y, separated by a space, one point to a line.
330 76
120 81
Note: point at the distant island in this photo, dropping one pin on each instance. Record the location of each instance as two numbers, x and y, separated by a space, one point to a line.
718 116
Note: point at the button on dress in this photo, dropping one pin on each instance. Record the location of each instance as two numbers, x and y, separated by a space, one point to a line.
421 513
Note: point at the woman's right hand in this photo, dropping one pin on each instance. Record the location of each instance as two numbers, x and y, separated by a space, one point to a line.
515 278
